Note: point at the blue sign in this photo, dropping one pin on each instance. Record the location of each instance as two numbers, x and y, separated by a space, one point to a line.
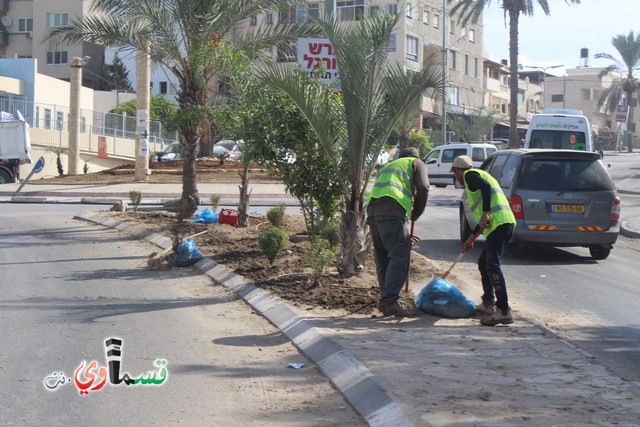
39 165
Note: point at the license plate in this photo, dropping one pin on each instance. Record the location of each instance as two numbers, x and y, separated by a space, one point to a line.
567 208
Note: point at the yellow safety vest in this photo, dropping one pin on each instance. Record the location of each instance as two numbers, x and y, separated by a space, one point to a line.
394 180
500 211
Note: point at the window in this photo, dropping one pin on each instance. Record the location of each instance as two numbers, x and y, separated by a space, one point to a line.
83 124
253 21
313 10
466 65
269 18
392 8
57 19
436 21
475 67
47 118
287 17
409 10
374 10
57 57
425 16
586 94
452 27
163 87
59 120
302 14
350 10
557 98
25 25
472 35
36 122
173 89
454 59
412 48
391 46
453 95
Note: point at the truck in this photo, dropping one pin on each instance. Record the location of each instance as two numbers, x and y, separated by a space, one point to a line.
14 146
559 128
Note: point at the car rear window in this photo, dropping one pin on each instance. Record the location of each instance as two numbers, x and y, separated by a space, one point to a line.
448 154
564 175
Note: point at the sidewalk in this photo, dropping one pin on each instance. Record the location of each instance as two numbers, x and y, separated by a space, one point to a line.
424 371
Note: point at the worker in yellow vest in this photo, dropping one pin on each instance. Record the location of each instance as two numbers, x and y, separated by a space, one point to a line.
491 210
399 193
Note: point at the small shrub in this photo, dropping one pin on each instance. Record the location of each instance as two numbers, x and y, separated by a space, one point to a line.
320 256
271 241
222 157
330 231
158 155
136 198
276 216
215 201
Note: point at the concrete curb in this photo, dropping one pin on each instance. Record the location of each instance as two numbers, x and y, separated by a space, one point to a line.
356 383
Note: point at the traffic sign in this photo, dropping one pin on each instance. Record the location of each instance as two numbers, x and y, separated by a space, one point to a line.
39 165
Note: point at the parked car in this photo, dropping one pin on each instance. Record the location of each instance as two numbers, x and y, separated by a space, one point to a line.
171 152
560 198
233 148
439 160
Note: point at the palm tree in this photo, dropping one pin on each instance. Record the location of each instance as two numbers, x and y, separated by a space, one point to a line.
353 125
628 48
184 36
472 9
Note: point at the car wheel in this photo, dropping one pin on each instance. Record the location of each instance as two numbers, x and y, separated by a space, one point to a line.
599 252
465 229
5 178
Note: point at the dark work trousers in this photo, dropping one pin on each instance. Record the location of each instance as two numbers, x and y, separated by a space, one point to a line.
391 238
493 283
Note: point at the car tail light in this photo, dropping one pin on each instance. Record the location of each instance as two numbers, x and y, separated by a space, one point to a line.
615 209
516 206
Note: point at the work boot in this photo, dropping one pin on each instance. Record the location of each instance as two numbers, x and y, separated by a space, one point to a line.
395 310
486 307
497 317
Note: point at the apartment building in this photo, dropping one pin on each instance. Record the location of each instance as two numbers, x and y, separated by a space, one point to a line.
422 27
23 28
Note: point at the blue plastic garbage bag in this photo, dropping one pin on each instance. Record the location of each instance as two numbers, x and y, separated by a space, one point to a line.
187 254
441 298
206 216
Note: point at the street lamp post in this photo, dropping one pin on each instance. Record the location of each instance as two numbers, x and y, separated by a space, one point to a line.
544 80
75 83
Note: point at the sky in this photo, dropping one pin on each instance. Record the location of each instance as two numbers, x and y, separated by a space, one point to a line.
557 39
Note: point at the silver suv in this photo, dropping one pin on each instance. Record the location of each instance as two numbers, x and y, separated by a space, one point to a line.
559 198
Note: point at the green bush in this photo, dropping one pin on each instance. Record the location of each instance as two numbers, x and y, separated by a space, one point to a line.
136 198
276 216
330 231
215 201
320 256
271 241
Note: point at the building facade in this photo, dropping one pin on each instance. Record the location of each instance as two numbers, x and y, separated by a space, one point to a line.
24 25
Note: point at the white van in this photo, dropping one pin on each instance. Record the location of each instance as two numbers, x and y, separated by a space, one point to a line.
559 128
439 160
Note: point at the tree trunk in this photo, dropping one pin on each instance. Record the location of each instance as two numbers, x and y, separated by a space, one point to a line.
353 231
245 194
189 146
514 14
629 136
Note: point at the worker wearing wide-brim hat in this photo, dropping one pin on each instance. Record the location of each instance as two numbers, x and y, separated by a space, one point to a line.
491 210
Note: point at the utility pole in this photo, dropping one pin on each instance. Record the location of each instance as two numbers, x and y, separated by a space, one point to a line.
444 71
75 88
143 105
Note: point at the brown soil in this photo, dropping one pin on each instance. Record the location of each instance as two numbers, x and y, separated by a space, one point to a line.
208 170
237 248
290 276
